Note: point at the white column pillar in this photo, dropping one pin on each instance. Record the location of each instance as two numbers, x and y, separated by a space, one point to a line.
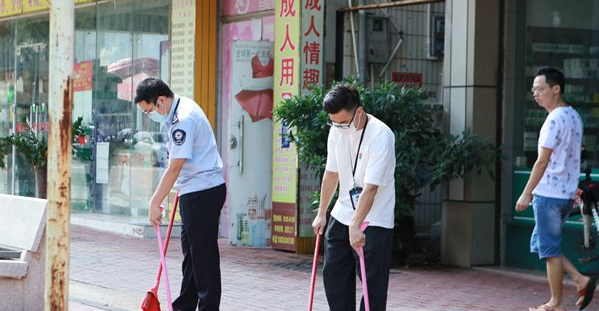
62 29
470 103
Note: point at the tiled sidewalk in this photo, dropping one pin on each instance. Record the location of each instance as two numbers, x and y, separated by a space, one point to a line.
113 272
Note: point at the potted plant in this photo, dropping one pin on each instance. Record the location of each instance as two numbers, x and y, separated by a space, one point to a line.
425 155
33 148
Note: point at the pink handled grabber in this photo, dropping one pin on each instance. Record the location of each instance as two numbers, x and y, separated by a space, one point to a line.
363 270
167 287
150 302
314 268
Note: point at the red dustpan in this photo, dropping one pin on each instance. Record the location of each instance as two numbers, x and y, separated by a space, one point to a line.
150 302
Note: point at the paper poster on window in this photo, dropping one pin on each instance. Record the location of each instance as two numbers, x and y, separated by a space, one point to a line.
102 152
82 76
253 64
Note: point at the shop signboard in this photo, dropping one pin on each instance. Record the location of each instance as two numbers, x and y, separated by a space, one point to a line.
34 5
312 38
17 7
410 79
240 7
10 7
287 83
312 54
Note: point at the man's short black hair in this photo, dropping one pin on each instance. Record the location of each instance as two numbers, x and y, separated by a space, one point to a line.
150 88
553 76
342 96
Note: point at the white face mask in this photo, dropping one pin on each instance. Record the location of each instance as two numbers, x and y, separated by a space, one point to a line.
157 117
352 127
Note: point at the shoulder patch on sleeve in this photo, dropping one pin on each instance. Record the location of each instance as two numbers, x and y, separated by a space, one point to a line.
179 137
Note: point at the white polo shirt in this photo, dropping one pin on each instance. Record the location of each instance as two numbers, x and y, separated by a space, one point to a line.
376 166
562 133
190 137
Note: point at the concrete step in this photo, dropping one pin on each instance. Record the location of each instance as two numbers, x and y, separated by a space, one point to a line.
133 226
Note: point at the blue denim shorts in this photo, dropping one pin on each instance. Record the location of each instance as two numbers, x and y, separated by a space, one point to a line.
550 215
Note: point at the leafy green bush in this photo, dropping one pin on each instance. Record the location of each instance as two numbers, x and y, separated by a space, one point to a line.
33 147
426 156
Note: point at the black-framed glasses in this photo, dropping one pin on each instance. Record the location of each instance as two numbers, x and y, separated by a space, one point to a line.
342 125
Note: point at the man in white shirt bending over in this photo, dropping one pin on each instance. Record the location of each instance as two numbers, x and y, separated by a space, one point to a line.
361 160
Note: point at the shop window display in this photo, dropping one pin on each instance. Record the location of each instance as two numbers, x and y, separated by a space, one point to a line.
120 153
130 149
565 36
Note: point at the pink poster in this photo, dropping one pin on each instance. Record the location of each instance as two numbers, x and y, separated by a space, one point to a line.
240 7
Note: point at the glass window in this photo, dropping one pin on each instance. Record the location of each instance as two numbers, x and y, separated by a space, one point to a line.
7 92
565 36
31 99
129 148
119 154
83 69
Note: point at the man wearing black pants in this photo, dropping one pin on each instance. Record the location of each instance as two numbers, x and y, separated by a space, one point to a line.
361 160
195 170
200 212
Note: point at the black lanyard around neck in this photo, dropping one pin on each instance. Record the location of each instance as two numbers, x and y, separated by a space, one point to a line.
353 173
176 106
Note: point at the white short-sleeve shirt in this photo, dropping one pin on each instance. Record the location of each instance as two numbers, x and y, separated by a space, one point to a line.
190 137
562 133
376 166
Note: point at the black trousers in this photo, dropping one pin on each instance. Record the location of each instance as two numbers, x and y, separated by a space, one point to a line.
341 264
201 285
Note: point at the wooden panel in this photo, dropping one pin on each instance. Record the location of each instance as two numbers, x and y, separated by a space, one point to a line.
306 245
213 58
205 58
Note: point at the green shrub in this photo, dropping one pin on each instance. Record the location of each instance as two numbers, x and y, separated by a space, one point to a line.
426 156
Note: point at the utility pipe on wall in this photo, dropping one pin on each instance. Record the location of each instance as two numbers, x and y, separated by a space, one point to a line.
362 43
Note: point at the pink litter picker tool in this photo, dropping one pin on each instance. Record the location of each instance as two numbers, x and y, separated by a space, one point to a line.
151 302
167 287
363 270
314 268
